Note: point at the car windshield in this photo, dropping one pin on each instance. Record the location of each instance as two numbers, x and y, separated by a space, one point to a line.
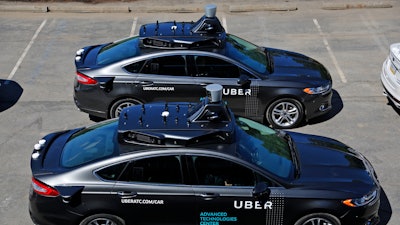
119 50
262 146
89 144
249 54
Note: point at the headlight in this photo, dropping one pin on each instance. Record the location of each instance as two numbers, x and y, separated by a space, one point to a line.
317 90
364 200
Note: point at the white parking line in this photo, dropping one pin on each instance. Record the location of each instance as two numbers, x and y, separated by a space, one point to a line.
224 24
133 26
26 50
373 30
333 58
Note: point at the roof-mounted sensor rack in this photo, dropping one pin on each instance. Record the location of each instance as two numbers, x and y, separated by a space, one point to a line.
188 43
180 123
207 26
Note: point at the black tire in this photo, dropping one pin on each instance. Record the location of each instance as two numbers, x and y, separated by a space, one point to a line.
102 219
95 118
285 113
318 219
117 107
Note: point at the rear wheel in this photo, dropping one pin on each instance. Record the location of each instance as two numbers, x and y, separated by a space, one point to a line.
117 107
285 113
318 219
102 219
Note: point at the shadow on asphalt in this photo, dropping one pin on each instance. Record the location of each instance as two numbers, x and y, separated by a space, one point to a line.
397 110
10 92
337 106
385 210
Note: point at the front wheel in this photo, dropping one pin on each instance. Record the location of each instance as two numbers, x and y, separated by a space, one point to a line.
285 113
318 219
102 219
119 105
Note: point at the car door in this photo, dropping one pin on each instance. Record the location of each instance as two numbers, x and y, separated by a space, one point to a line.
225 194
163 78
151 191
237 83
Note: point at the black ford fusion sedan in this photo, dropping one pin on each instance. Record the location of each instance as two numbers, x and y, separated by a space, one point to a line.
173 61
188 163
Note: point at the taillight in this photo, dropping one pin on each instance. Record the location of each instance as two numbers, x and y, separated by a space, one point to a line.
83 79
43 189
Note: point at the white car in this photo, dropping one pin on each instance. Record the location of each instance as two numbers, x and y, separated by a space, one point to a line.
390 75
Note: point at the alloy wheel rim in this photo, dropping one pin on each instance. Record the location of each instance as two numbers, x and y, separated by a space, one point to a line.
102 221
317 221
121 106
285 114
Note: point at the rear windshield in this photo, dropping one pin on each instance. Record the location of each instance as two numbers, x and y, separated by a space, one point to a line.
118 50
90 144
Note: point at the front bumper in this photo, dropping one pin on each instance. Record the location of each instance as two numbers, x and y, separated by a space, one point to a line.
365 215
318 105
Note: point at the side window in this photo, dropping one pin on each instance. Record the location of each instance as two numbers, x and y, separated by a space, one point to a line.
134 67
220 172
212 67
168 65
161 169
111 172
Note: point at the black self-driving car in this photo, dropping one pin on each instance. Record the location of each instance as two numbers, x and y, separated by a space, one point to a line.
173 61
198 163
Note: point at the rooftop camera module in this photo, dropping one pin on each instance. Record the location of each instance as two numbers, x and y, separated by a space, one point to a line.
214 93
210 10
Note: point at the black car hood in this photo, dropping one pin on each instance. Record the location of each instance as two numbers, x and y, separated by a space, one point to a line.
326 161
292 64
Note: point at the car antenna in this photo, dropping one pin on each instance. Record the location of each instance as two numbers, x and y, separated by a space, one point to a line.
173 28
143 108
126 115
156 31
141 121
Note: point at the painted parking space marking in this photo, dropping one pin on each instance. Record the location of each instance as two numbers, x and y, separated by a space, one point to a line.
26 50
133 28
330 52
224 24
373 29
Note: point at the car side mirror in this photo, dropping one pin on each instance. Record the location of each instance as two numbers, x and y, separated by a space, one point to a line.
261 191
244 81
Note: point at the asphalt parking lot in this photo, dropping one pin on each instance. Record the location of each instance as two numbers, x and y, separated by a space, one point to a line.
37 71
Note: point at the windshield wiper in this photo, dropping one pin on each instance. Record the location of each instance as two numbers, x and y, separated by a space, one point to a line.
293 153
270 63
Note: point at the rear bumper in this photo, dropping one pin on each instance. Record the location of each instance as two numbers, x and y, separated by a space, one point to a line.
50 211
91 111
90 100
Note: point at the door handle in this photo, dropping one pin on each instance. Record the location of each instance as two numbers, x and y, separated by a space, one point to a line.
126 194
146 83
209 196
